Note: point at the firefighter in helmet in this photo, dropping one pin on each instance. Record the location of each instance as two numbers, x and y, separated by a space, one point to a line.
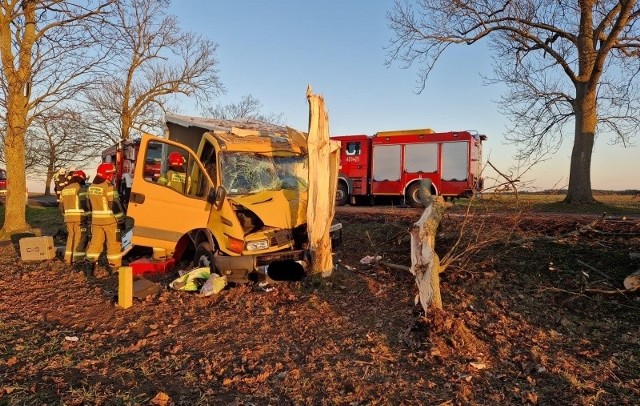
73 203
62 179
175 177
107 217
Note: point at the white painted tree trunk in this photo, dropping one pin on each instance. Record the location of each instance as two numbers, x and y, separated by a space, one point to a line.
425 263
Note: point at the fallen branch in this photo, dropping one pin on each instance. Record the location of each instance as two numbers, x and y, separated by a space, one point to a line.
594 269
588 228
394 266
611 292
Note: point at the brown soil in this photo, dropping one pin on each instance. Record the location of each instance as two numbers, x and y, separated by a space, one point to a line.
531 317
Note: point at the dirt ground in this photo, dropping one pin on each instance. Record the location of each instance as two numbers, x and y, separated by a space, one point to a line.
533 315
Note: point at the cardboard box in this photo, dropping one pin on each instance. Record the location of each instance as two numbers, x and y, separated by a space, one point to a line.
37 248
148 266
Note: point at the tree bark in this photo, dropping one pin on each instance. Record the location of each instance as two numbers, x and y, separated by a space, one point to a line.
425 263
14 146
323 180
579 190
18 89
47 185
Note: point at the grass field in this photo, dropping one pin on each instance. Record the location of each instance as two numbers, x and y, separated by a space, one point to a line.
617 204
49 219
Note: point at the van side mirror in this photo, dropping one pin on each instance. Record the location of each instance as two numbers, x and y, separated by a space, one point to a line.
216 196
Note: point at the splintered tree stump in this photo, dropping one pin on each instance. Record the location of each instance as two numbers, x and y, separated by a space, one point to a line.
323 180
425 263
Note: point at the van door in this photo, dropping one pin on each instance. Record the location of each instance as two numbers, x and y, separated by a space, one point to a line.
167 202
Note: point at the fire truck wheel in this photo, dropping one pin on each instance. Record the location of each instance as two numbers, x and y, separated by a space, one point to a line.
342 194
204 256
413 196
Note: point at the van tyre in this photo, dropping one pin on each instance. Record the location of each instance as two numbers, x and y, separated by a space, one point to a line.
204 256
342 194
413 195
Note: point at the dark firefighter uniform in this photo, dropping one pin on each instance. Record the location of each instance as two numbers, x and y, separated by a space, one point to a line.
173 179
106 217
73 201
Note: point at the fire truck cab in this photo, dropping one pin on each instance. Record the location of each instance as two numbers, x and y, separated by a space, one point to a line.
392 163
124 156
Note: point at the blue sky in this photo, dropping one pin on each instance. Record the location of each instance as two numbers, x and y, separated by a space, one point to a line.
274 49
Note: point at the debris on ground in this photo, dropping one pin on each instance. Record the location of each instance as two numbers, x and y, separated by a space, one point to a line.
200 280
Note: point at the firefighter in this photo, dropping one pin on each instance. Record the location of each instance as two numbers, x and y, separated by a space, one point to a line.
175 177
73 203
107 218
61 179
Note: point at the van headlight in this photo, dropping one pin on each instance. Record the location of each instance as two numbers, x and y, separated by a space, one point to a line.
257 245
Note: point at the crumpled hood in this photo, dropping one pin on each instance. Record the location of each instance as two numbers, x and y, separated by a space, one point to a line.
280 208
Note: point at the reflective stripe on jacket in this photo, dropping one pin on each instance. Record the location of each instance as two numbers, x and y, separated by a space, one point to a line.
74 203
173 179
105 203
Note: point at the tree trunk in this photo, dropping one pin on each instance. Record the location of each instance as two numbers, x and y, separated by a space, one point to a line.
323 180
579 190
14 147
18 89
47 185
425 263
126 126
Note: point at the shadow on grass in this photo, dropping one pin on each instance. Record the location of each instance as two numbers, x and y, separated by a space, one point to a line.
47 219
598 207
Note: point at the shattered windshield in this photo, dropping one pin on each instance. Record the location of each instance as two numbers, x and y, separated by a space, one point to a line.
248 173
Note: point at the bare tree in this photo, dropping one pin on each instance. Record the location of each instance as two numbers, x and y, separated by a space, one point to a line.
44 50
566 63
30 151
154 60
58 140
247 107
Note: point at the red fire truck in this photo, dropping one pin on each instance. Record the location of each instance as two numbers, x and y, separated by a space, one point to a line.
124 156
3 182
392 163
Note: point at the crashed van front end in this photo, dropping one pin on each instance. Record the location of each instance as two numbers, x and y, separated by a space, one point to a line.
261 226
242 205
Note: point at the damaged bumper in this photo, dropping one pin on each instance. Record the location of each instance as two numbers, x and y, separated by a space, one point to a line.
254 267
283 265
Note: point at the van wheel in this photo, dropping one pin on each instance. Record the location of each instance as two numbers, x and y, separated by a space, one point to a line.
342 194
204 256
413 195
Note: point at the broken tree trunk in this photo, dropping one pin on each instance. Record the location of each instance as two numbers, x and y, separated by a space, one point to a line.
425 263
323 179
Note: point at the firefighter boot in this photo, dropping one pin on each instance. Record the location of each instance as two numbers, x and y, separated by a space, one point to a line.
89 269
79 266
